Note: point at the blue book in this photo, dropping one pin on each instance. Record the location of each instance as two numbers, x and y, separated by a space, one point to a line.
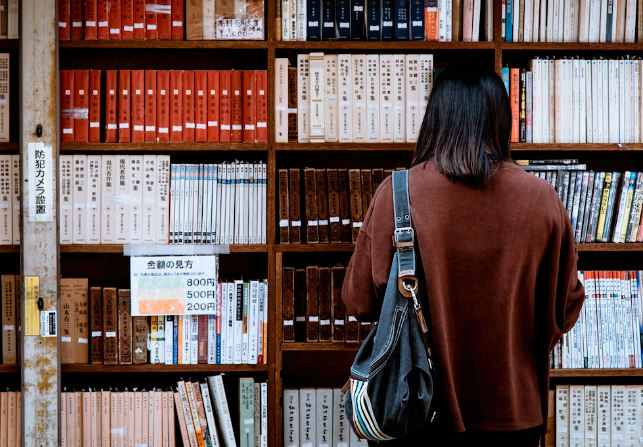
373 19
388 19
509 22
343 19
401 20
175 342
505 78
328 19
357 19
417 19
313 30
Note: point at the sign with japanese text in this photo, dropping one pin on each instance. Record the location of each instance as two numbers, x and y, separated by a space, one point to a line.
41 203
173 285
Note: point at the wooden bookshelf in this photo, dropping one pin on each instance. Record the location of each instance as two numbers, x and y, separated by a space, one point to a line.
380 46
599 373
147 368
9 248
161 147
9 369
118 248
9 147
166 44
321 346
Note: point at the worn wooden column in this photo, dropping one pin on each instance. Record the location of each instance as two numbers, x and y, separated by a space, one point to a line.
40 362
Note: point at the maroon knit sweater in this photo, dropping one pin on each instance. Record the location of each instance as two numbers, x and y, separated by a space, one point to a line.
500 268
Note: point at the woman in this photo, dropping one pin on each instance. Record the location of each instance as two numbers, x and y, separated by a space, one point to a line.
499 260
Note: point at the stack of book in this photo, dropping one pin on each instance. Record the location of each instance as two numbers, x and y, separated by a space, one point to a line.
10 199
10 319
227 106
10 20
10 418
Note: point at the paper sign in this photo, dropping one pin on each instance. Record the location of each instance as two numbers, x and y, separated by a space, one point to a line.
48 323
41 203
32 314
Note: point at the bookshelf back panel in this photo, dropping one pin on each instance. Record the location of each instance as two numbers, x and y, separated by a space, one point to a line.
316 368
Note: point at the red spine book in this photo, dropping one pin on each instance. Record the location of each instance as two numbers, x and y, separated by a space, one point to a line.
203 339
151 30
164 19
138 106
249 106
67 106
94 106
64 19
236 85
163 106
124 106
81 106
138 15
201 106
115 19
150 106
111 106
102 17
91 25
188 106
77 20
127 19
178 17
262 106
213 106
176 105
514 91
225 104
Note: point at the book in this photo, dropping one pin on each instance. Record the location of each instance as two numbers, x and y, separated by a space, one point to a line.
110 326
222 411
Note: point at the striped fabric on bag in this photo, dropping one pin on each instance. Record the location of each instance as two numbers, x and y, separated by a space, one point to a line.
363 417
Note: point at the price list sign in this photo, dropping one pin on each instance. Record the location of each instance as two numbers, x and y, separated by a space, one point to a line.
173 285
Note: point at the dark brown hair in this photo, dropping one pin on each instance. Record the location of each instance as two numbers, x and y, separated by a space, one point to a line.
467 124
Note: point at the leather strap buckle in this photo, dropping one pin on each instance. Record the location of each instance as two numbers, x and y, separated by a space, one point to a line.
404 237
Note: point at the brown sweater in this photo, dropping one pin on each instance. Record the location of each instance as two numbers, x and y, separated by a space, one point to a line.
500 267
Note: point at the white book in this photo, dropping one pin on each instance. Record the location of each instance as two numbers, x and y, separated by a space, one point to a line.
386 98
618 414
240 192
544 101
66 198
136 199
426 81
536 100
211 201
606 111
79 235
324 421
222 410
359 98
340 425
94 171
221 205
632 416
302 24
252 205
552 103
614 100
169 338
372 98
449 21
122 199
16 198
413 119
399 98
174 186
208 19
6 220
5 117
253 323
475 29
550 22
291 417
597 98
516 19
194 339
355 441
186 348
594 20
281 98
331 109
630 20
149 199
293 19
345 95
567 22
588 118
559 101
628 106
237 310
232 191
285 20
245 343
317 124
578 110
263 442
198 211
562 415
264 186
568 95
622 100
614 18
225 315
209 415
442 21
583 20
303 98
602 36
535 32
307 417
180 204
590 422
576 415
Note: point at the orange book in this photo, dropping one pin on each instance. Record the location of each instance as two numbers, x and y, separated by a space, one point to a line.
127 19
64 19
94 106
178 17
514 98
91 25
102 19
105 417
67 106
431 32
163 106
87 420
249 106
150 106
71 419
236 86
138 105
225 106
124 106
158 419
81 106
114 19
111 106
213 106
188 106
200 106
77 20
262 106
176 105
151 30
138 14
164 19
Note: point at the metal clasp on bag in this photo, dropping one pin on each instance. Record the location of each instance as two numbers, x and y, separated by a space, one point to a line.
403 237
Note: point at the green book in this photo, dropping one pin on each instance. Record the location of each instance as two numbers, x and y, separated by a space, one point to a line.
246 412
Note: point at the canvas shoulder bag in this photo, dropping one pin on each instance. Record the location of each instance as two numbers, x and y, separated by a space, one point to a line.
390 389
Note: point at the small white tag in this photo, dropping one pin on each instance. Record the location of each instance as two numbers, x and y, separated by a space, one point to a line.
296 223
313 319
97 333
110 334
324 322
283 223
357 224
346 221
65 339
48 324
338 322
288 323
83 341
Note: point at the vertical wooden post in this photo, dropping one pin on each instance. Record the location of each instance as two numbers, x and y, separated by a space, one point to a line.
39 241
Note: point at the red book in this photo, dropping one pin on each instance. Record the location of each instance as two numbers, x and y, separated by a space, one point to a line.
176 105
111 106
91 25
163 106
164 19
102 17
138 106
249 106
236 85
138 14
178 17
64 19
115 19
188 106
77 20
151 30
203 339
94 106
213 106
127 19
67 106
124 106
514 99
225 105
201 106
262 106
81 106
150 106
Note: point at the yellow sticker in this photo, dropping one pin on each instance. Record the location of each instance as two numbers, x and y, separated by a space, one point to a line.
32 314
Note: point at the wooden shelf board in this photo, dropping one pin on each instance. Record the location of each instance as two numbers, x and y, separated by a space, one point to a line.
9 369
118 248
9 43
321 346
379 45
575 46
315 248
161 147
631 372
623 147
147 368
9 146
344 146
610 247
167 44
9 248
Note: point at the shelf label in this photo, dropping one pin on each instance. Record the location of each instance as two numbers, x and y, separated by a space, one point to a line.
174 285
48 326
32 314
41 203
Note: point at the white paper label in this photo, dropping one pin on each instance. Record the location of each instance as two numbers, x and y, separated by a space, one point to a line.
40 190
313 319
97 333
296 223
288 323
110 334
48 324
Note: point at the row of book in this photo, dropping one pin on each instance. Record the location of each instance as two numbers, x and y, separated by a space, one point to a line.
571 21
97 327
591 415
602 206
316 416
10 319
11 418
576 100
228 106
159 20
218 203
332 206
312 307
352 98
114 199
607 333
9 19
9 199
